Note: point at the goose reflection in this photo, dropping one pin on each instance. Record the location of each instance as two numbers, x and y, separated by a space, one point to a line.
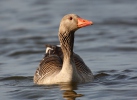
68 91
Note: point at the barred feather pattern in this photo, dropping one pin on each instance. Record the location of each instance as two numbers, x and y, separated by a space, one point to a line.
81 67
67 63
67 41
48 66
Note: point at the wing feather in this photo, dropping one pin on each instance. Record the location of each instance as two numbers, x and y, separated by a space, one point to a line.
48 65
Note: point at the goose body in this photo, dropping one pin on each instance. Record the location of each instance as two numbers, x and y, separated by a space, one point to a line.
60 64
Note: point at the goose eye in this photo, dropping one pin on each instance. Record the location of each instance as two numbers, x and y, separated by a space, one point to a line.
70 18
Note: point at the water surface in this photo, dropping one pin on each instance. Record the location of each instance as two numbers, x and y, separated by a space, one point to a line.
109 48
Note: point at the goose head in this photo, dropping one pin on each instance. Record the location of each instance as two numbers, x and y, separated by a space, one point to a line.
72 22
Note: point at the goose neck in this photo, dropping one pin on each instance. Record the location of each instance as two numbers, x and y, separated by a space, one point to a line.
66 42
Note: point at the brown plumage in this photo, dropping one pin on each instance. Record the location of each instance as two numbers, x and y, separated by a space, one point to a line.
61 64
54 50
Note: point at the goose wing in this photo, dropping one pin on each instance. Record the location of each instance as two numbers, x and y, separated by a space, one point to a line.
50 64
82 68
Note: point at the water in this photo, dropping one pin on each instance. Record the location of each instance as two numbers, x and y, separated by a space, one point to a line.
109 48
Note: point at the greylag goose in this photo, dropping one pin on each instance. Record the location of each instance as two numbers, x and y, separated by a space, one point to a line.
61 64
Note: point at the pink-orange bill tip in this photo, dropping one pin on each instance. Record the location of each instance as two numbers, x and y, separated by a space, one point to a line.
83 22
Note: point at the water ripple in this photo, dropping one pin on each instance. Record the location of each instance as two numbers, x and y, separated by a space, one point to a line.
109 47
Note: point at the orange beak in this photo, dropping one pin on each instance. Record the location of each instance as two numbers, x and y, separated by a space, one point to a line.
83 22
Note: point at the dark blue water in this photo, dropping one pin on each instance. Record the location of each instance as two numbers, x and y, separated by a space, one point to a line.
109 48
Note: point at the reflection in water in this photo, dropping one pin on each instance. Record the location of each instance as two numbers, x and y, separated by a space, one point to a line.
69 93
109 48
